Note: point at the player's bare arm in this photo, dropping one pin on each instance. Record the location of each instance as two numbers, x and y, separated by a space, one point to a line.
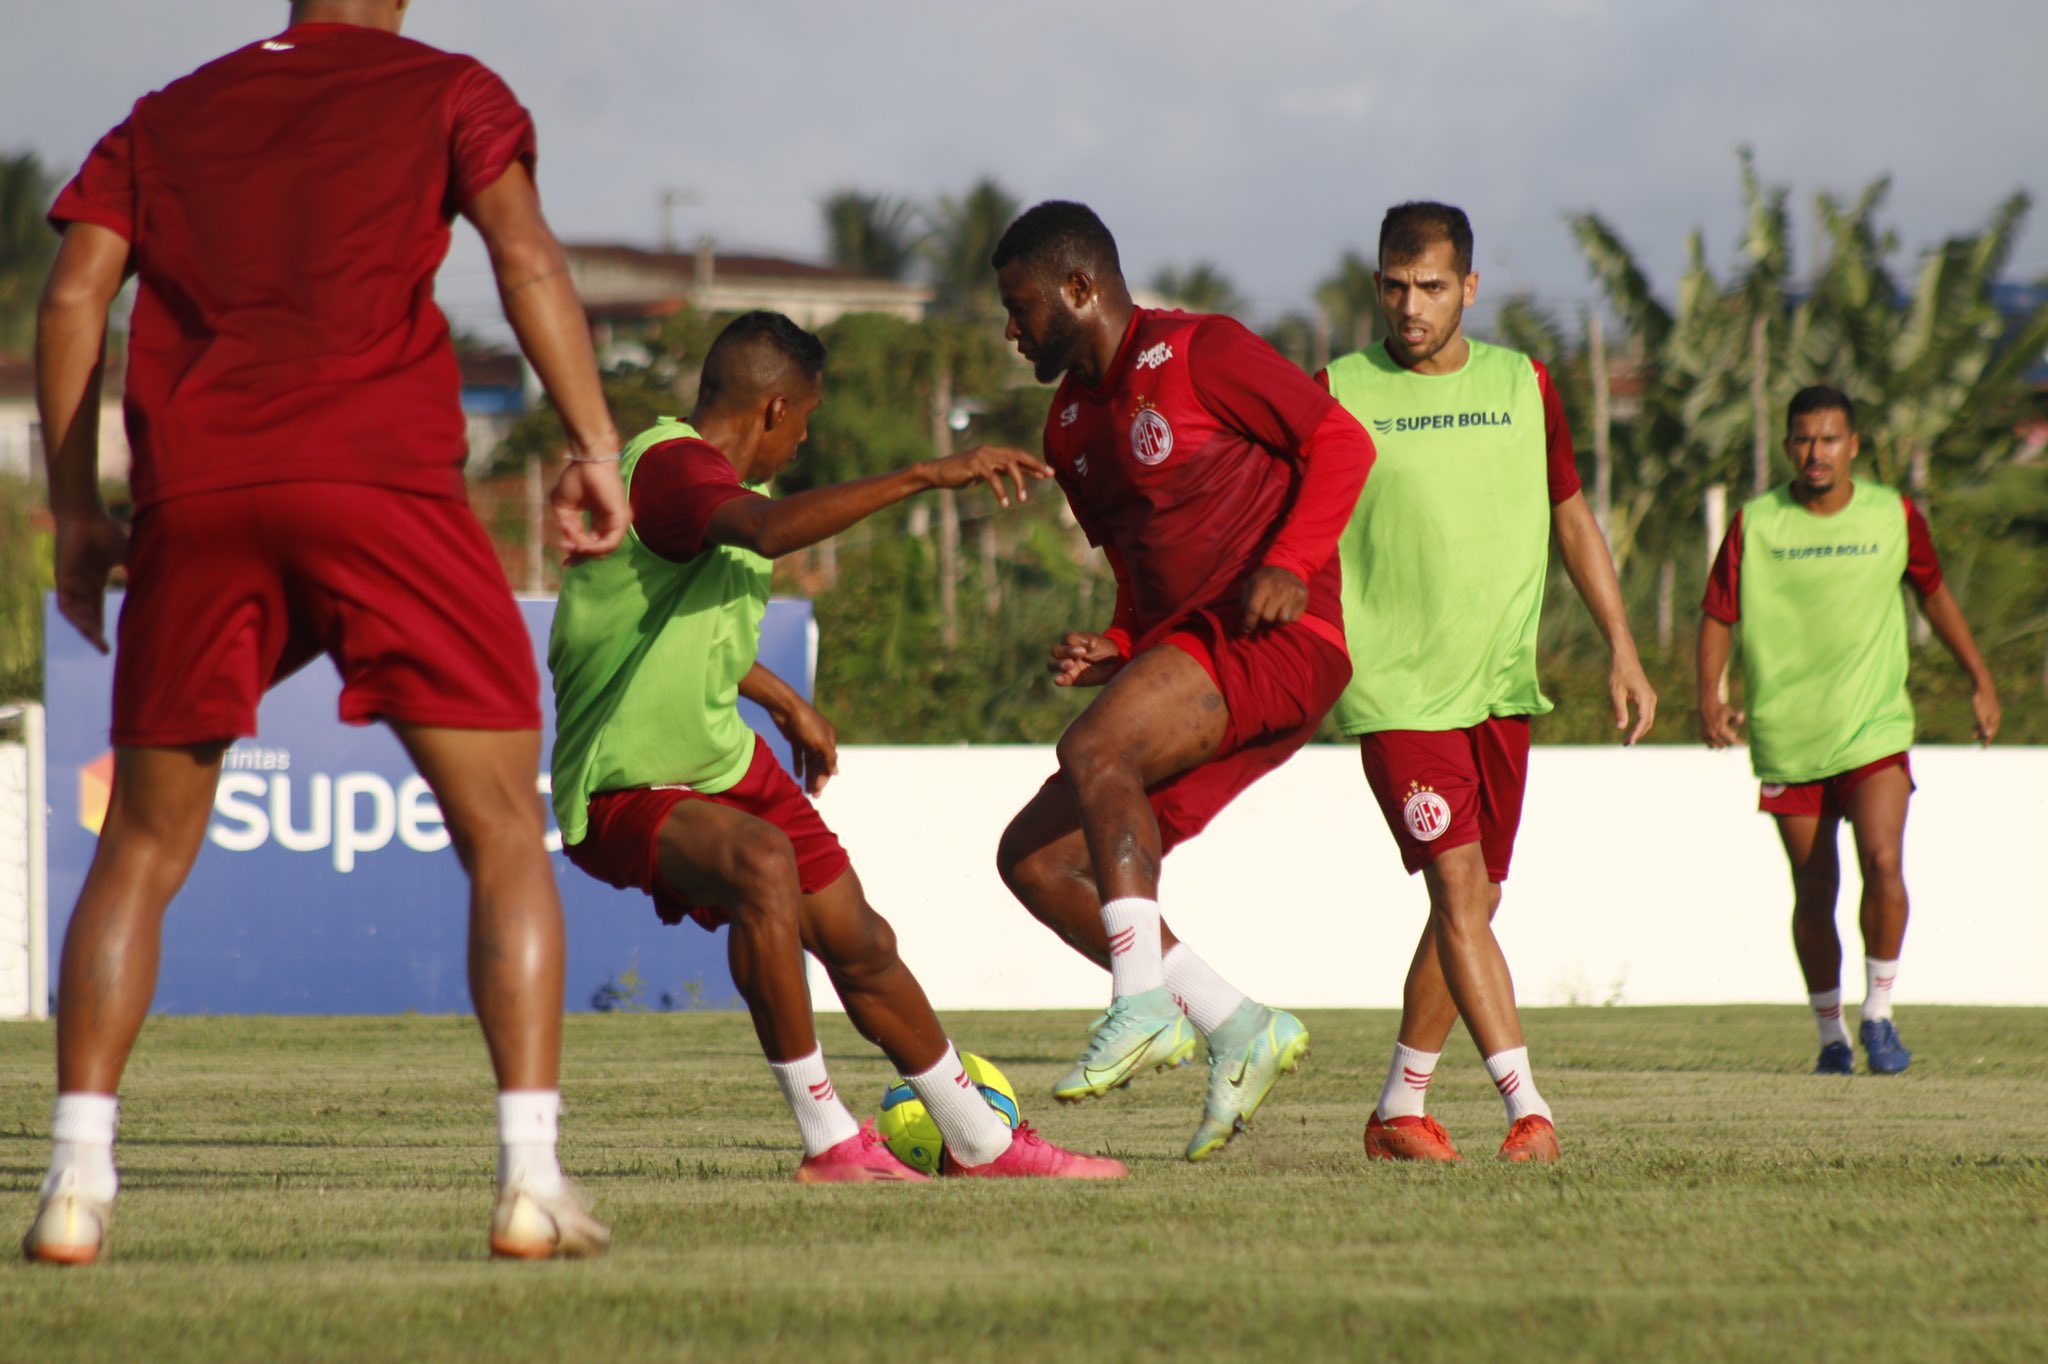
812 739
1586 561
71 333
1945 616
776 526
1720 723
547 317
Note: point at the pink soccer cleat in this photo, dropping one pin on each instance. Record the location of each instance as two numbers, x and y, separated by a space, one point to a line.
1031 1156
863 1158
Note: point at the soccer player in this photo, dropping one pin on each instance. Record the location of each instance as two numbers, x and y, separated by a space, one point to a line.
660 786
1812 572
1215 476
1444 562
298 446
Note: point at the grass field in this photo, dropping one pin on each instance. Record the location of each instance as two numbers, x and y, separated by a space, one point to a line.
316 1189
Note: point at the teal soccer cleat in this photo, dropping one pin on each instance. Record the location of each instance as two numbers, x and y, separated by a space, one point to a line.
1247 1056
1139 1032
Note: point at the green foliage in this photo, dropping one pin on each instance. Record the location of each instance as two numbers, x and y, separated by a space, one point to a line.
27 246
1349 302
874 234
25 575
963 236
1201 288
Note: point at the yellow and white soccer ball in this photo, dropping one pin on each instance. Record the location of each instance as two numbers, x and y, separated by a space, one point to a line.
908 1127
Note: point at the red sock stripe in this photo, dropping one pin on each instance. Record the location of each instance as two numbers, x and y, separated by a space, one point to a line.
962 1080
1508 1083
823 1092
1417 1079
1833 1011
1120 943
1883 982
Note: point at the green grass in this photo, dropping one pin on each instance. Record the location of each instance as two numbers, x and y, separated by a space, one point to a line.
317 1189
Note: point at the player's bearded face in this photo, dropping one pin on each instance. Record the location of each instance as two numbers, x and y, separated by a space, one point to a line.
1044 326
1058 344
1423 299
1821 447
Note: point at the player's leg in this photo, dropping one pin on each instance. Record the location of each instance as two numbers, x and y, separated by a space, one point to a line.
1161 715
1809 840
156 819
1401 1127
885 1002
1876 809
484 782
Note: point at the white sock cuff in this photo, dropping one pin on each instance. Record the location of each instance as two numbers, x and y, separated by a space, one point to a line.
529 1116
945 1068
89 1119
1205 997
1129 912
1887 969
1826 999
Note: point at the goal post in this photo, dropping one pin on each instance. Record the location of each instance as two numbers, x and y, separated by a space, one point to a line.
24 865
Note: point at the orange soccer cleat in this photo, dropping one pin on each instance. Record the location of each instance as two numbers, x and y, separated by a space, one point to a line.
1414 1138
1532 1138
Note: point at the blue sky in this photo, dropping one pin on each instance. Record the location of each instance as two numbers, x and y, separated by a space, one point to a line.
1263 139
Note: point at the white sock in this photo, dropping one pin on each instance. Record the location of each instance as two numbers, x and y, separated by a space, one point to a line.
528 1120
821 1118
1205 997
973 1132
82 1133
1877 996
1134 965
1406 1093
1510 1072
1827 1016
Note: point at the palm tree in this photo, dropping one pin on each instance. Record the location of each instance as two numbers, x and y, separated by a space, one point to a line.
1349 302
963 237
27 246
871 234
1201 288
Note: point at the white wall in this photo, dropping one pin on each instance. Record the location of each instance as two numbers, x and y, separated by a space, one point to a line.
1640 877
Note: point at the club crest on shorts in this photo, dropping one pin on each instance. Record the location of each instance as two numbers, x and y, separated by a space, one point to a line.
1426 813
1151 435
1773 789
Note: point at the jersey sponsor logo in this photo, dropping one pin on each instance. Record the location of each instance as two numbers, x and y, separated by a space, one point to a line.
1427 814
273 45
1154 357
1070 414
1798 552
1151 436
1441 421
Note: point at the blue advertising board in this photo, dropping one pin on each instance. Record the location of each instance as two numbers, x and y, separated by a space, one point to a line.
327 884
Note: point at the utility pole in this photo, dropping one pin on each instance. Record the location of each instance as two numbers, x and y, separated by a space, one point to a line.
1603 410
949 508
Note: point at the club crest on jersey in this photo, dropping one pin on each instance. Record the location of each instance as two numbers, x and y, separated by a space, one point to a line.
1070 414
1427 814
1151 435
1153 357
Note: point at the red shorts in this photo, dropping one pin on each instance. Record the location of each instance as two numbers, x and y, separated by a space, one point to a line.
229 593
1445 788
1277 685
623 844
1828 797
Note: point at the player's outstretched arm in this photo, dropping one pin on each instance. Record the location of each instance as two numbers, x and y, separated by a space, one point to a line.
1945 615
812 739
71 334
775 526
546 315
1584 551
1720 723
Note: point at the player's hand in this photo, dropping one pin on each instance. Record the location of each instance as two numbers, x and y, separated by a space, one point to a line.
1272 596
990 464
598 490
1719 722
813 742
1628 685
1984 701
88 549
1082 659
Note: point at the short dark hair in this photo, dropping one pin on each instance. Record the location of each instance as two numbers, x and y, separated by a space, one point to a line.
1062 237
755 352
1412 228
1820 398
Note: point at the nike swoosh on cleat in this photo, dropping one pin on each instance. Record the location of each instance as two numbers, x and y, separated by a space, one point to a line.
1124 1069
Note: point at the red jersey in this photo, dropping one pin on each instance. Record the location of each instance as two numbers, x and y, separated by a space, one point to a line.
287 206
1189 465
1723 600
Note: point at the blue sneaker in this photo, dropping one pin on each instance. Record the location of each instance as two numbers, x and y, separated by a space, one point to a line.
1836 1059
1888 1055
1138 1033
